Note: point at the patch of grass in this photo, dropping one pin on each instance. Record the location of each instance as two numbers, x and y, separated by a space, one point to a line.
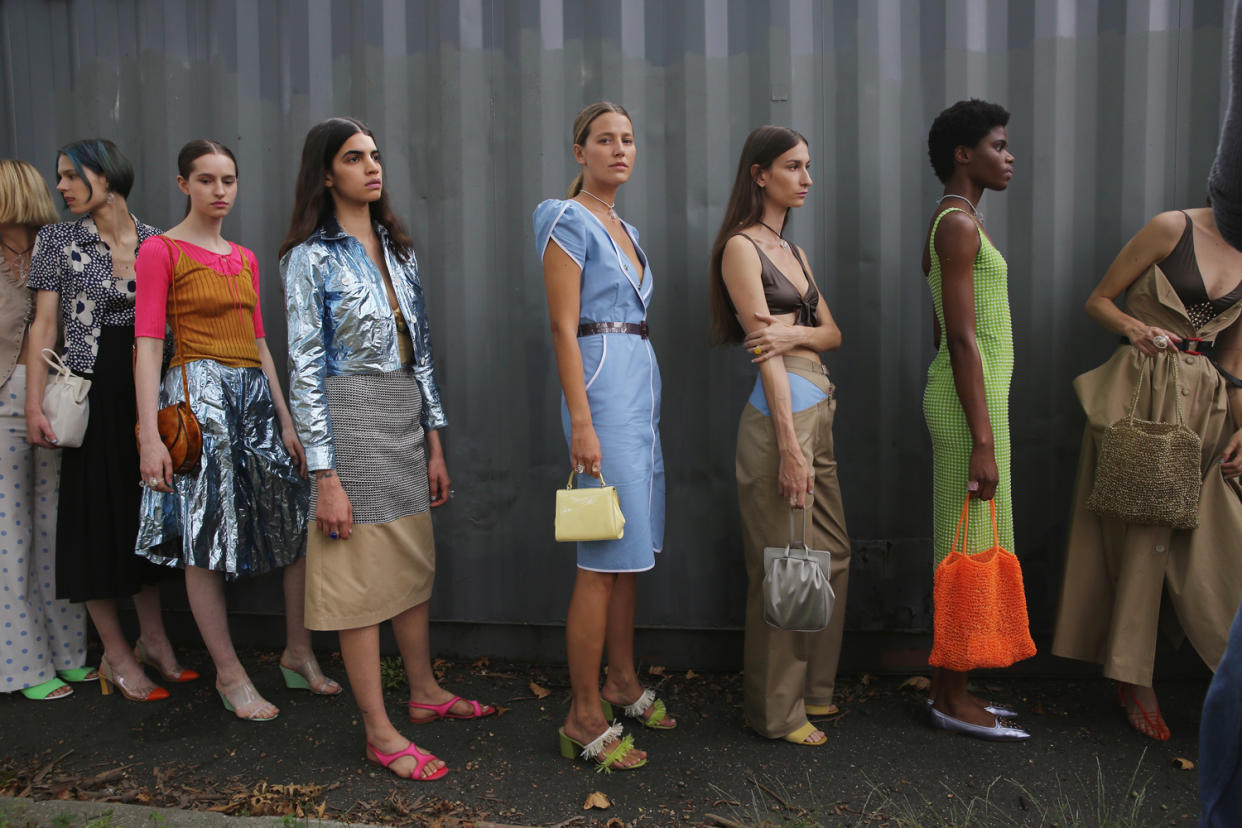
14 818
1094 805
392 673
104 820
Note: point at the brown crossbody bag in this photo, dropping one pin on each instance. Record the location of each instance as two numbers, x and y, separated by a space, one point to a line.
178 427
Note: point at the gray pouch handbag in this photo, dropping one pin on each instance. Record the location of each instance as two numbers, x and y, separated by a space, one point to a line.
797 596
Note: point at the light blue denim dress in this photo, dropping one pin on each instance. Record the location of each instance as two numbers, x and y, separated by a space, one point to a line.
622 382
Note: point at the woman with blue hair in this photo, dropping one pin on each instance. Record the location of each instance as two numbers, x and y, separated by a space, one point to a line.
83 271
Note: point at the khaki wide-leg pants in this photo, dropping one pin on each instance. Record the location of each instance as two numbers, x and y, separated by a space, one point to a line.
784 671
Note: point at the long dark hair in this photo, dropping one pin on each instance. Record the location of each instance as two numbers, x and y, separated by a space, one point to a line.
196 149
312 203
762 147
582 130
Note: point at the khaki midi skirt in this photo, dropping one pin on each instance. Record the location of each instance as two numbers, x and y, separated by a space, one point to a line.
387 565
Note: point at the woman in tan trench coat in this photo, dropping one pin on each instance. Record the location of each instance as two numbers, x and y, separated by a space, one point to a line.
1183 301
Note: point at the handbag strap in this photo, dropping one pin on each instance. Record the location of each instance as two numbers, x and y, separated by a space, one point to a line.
172 289
802 542
1177 393
573 474
57 364
963 525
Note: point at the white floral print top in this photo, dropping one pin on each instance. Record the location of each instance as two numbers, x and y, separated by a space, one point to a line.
72 260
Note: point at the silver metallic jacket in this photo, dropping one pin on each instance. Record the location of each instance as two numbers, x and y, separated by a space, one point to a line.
340 323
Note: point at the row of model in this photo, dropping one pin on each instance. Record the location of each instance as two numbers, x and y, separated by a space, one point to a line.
359 343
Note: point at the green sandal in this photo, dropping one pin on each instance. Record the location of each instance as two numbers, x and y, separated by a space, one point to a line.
636 710
593 751
79 674
44 691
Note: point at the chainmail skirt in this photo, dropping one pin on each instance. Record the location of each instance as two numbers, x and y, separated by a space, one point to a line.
243 511
387 565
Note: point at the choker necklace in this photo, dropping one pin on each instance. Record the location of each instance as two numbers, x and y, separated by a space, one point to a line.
612 214
973 208
784 244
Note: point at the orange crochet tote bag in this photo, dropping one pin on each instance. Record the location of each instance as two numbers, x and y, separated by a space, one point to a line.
980 606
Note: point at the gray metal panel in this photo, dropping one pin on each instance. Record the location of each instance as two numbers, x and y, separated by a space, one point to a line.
1116 106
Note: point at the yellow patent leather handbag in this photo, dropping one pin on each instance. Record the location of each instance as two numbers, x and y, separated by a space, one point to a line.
588 514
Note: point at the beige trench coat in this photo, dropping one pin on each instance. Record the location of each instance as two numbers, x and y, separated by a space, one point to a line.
1115 573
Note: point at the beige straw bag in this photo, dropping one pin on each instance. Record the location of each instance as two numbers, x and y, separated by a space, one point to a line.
1148 472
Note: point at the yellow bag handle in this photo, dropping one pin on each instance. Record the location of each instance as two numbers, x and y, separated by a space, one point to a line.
573 474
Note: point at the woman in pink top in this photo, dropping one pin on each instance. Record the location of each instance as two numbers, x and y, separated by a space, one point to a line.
243 510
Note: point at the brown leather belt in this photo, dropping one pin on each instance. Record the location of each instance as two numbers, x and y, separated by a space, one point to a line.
590 328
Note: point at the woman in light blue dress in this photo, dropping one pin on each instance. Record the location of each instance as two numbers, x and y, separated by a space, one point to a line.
599 287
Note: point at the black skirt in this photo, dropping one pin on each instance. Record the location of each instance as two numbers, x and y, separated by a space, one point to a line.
97 518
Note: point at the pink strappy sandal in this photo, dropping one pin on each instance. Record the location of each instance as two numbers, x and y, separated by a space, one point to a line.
441 711
384 760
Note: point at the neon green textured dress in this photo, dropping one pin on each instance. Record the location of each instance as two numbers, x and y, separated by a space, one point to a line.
951 439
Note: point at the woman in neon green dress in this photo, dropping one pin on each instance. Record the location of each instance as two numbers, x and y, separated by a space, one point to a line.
966 403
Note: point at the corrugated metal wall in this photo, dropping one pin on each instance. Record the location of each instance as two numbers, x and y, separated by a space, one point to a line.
1115 105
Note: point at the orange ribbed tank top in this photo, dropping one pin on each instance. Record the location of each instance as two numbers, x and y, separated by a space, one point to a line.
215 312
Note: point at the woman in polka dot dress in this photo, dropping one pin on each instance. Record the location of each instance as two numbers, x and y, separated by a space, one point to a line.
83 271
39 636
966 402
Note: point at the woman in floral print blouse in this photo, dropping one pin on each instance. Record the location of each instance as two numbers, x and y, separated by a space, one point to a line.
83 271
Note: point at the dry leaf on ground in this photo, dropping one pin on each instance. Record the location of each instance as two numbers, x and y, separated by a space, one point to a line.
596 800
1182 763
481 663
865 680
690 674
655 670
540 691
917 683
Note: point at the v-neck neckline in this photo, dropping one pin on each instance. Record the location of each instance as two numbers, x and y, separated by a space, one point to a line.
804 295
641 265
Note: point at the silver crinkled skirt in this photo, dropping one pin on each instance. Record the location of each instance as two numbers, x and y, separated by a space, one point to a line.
244 511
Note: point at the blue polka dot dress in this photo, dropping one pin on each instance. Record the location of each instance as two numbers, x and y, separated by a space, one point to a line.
38 633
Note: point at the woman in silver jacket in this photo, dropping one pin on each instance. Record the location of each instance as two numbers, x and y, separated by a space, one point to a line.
367 410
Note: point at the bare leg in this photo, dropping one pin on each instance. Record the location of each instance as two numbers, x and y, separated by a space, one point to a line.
116 647
151 626
585 630
948 688
412 629
621 686
205 589
360 652
298 655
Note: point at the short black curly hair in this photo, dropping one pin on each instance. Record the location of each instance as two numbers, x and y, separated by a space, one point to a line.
962 125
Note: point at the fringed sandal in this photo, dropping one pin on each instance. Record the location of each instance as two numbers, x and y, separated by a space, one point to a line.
593 751
638 711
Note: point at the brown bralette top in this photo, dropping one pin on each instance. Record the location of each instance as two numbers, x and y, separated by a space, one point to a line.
781 295
1181 268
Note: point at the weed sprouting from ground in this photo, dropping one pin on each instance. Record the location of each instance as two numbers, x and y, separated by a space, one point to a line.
1094 805
392 673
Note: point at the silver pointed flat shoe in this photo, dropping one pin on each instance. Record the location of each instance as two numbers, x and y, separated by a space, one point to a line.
994 709
998 732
